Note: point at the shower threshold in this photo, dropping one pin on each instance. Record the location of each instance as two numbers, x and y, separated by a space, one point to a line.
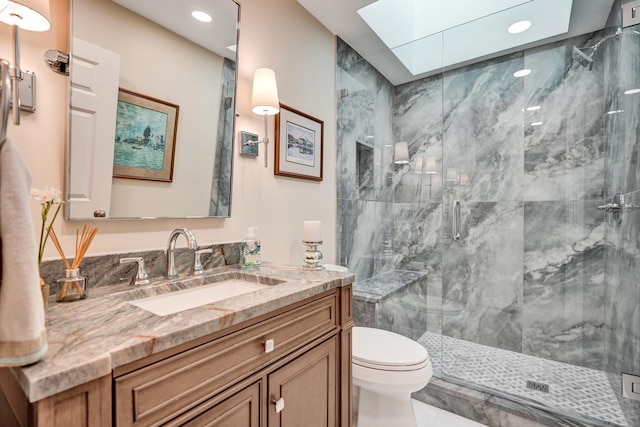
581 394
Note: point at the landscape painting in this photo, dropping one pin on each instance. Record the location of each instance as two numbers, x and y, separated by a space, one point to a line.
145 137
299 144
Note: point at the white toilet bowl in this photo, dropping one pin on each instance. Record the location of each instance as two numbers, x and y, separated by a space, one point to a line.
387 368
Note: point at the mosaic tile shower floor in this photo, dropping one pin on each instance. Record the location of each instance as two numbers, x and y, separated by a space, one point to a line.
571 388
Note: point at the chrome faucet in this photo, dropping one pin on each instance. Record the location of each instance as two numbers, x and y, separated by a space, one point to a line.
172 270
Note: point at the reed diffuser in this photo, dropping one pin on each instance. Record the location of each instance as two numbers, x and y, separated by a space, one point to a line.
73 287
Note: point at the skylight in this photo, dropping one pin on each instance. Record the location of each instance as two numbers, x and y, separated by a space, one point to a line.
426 35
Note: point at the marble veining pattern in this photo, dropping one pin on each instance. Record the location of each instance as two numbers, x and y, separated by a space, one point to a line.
539 269
88 338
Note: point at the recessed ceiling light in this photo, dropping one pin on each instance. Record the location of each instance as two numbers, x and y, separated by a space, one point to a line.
201 16
631 91
536 124
519 27
615 112
534 108
522 73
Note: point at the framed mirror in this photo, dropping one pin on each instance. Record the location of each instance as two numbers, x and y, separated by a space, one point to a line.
152 109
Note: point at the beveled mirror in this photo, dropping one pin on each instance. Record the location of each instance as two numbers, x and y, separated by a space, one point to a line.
152 109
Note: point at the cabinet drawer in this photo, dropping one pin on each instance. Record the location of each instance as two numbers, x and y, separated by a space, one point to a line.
242 409
167 388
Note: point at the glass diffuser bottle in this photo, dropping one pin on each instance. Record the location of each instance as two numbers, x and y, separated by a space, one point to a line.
72 287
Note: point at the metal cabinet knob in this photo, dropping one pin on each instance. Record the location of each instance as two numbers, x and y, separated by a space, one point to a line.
279 404
269 345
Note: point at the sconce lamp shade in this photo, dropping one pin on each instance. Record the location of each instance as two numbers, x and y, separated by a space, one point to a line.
31 15
430 165
401 153
264 98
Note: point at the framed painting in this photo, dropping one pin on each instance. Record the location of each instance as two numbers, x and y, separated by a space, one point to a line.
299 144
145 139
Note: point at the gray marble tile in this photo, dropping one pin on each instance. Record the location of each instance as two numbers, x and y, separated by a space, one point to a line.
623 293
563 315
564 153
482 275
374 231
482 135
220 204
417 120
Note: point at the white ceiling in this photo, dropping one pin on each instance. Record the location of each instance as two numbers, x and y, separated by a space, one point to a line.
175 15
454 33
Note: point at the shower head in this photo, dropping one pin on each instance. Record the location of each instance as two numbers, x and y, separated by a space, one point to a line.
587 60
582 58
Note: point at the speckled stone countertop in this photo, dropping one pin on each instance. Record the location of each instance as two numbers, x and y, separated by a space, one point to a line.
89 338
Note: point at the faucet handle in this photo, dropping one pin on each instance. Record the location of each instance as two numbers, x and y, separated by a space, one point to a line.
141 277
197 263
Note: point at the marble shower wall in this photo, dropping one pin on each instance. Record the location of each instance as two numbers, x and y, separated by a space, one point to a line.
220 203
528 271
622 294
364 166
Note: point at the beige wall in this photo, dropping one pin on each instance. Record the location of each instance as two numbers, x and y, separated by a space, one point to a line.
278 34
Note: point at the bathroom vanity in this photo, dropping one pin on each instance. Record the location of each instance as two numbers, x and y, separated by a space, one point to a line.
280 355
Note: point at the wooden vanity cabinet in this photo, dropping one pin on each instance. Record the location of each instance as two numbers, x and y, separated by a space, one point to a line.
291 367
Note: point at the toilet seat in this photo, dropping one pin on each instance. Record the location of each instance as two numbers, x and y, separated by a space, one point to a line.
387 351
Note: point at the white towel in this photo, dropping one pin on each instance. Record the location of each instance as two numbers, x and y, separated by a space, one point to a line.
23 338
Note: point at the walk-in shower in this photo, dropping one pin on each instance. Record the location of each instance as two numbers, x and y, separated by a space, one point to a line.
504 268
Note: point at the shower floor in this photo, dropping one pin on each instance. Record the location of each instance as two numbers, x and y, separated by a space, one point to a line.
573 389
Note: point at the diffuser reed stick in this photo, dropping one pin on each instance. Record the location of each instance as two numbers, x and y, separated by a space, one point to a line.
83 241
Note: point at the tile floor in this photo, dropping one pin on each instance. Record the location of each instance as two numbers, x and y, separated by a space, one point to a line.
571 388
429 416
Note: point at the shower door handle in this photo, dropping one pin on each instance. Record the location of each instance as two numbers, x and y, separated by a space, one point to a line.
455 222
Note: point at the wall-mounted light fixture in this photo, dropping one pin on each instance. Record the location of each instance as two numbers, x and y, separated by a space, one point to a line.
31 15
264 101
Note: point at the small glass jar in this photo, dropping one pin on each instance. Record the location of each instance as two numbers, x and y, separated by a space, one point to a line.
72 287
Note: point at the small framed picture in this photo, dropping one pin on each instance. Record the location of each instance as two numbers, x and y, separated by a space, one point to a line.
145 139
299 144
246 149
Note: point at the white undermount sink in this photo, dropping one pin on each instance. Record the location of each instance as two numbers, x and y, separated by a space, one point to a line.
185 299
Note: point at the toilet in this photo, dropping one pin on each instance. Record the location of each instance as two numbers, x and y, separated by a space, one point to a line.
387 368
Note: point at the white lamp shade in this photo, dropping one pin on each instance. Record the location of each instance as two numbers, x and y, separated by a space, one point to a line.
31 15
264 98
401 154
430 165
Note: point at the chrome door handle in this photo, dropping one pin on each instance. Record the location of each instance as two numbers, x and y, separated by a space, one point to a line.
455 223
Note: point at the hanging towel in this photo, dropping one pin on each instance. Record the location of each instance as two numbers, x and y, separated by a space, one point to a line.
23 338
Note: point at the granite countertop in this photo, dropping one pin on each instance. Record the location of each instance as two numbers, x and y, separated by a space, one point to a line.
89 338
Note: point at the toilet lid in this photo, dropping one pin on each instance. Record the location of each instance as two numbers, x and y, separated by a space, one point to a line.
377 348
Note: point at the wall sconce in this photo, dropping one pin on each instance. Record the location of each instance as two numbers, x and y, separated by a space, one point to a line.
264 102
401 153
31 15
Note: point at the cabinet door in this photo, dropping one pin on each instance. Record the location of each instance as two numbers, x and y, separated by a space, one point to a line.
240 410
307 387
